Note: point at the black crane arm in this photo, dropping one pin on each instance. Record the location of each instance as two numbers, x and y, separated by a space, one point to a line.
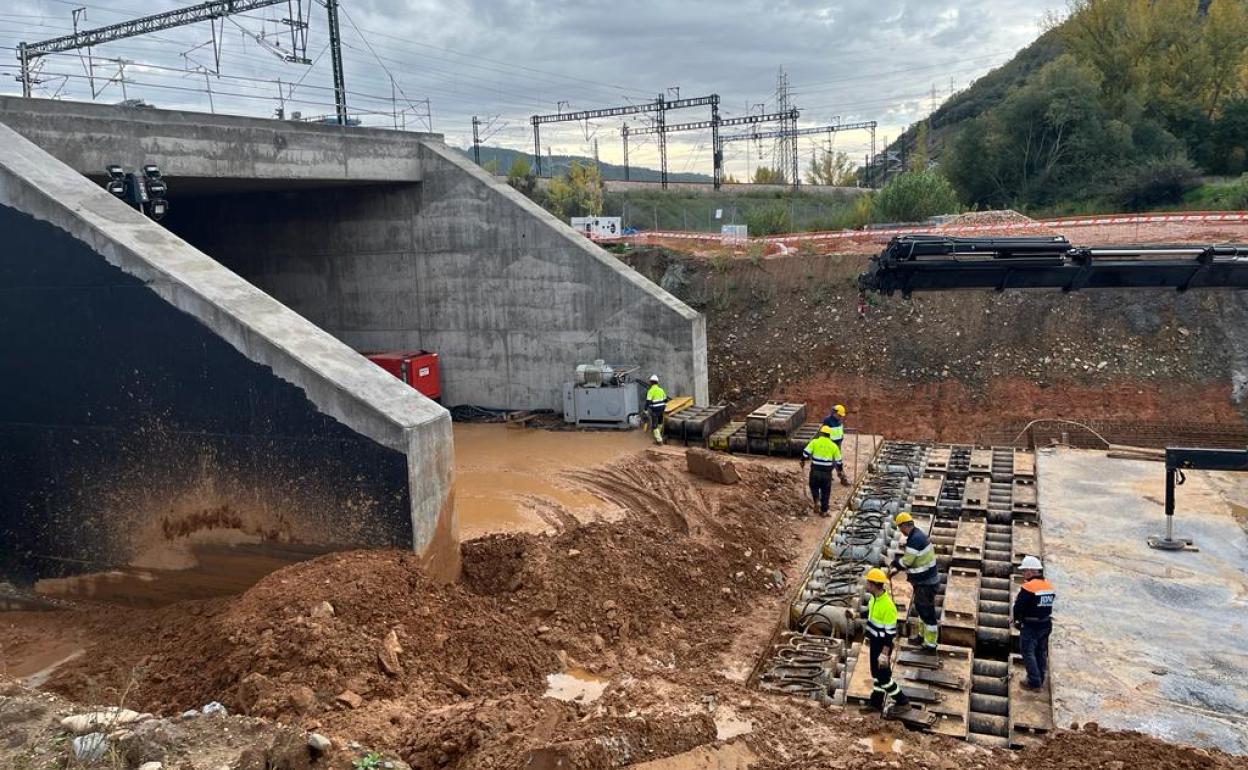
939 263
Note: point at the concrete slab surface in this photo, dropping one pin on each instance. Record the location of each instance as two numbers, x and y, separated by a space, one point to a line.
1147 640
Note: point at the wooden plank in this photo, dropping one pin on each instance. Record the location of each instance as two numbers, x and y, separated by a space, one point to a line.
938 459
1025 539
677 404
976 493
968 546
960 615
981 461
1024 464
756 421
927 490
955 701
1031 711
1024 498
784 420
719 439
858 688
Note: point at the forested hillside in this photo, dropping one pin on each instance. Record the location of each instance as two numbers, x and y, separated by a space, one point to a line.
1122 105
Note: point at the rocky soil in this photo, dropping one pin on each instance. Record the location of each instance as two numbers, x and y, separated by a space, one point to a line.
962 366
655 622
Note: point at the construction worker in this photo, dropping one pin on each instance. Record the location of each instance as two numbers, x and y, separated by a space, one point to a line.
836 421
881 632
1033 615
919 562
656 405
823 454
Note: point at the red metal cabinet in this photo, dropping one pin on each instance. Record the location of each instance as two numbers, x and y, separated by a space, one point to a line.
418 368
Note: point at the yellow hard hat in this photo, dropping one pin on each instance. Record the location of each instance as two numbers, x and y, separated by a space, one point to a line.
903 518
826 430
876 575
839 409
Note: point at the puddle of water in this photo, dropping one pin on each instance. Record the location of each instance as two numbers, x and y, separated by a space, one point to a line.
503 474
34 670
729 725
882 744
218 570
575 684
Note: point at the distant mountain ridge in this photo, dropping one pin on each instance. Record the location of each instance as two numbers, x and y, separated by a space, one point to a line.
557 164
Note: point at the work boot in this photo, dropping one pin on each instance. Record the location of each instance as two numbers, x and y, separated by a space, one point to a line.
916 640
898 703
877 701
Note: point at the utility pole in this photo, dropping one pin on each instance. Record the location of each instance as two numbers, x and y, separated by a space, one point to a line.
335 50
661 124
476 140
212 9
624 133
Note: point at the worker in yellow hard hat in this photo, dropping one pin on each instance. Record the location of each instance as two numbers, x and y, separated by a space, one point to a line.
919 561
836 422
823 455
881 635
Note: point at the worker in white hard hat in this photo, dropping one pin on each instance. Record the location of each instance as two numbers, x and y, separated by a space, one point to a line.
1033 615
836 422
656 405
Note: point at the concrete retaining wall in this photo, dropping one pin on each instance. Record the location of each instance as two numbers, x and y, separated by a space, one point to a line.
147 392
88 137
509 297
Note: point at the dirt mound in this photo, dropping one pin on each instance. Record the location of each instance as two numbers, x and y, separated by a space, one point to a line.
1005 221
364 643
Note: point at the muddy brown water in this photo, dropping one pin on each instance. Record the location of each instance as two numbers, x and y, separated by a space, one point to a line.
506 480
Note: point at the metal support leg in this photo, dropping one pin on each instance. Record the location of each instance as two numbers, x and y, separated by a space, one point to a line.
1170 542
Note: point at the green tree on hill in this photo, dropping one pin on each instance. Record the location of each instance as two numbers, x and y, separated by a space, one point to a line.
1147 93
914 196
578 193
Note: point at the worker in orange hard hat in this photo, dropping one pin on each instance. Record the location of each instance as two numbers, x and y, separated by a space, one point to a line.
836 421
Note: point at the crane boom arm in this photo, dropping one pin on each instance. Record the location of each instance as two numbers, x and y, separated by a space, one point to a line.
938 263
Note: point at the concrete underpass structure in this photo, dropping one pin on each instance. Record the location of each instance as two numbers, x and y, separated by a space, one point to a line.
203 373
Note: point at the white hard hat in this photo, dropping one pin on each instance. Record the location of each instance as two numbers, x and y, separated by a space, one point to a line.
1031 562
654 378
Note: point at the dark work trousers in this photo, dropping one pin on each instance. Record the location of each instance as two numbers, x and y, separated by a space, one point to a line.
924 597
821 486
656 416
882 678
1033 640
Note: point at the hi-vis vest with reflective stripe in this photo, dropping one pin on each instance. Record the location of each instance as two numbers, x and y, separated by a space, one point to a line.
838 427
656 397
881 617
1039 609
919 556
821 452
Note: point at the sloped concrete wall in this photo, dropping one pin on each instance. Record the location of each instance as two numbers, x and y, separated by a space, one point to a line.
147 392
513 298
510 297
392 240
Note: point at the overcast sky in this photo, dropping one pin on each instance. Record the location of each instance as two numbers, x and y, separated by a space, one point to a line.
505 60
